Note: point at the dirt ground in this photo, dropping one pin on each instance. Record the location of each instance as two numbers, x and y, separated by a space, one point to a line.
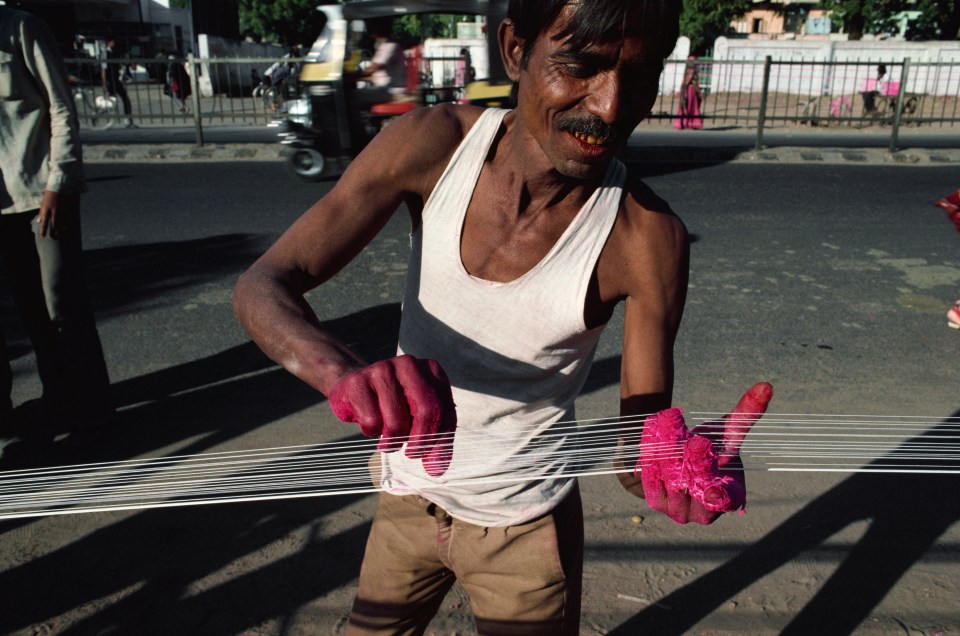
788 284
814 554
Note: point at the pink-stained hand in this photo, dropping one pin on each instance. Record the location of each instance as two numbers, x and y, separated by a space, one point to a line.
401 400
698 475
951 204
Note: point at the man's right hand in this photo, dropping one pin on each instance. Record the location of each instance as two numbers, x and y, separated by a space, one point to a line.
403 399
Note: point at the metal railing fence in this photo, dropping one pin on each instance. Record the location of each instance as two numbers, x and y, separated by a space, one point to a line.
760 94
769 93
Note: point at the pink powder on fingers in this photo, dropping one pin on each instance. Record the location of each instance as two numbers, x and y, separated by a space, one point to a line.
715 490
674 461
405 402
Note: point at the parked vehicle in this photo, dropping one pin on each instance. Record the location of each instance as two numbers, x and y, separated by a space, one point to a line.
324 129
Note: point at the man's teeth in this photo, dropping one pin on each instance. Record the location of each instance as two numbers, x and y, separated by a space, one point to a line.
589 139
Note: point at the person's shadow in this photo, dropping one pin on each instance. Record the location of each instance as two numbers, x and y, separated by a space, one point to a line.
907 513
219 569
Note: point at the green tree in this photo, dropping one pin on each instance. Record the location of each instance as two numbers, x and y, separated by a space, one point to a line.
938 20
286 22
864 16
703 21
412 28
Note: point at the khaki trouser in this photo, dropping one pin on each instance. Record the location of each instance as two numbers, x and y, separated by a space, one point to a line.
521 579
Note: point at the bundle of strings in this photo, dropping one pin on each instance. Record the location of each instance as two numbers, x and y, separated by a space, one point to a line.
801 443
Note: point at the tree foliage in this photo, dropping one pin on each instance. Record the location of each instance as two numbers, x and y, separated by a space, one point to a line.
937 19
286 22
412 28
703 21
290 22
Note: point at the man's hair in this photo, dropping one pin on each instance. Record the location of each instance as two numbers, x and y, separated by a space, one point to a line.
596 21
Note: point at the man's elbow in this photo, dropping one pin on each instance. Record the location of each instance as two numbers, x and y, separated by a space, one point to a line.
245 294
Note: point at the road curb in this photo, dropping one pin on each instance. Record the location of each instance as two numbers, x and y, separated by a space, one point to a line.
794 155
103 153
94 153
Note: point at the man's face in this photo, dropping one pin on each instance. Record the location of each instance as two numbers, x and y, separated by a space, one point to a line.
581 105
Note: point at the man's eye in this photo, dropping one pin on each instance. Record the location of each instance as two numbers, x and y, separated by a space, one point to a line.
579 70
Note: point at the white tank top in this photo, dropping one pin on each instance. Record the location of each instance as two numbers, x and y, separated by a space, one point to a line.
517 353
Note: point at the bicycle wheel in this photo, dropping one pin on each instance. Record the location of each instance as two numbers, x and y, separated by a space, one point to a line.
97 120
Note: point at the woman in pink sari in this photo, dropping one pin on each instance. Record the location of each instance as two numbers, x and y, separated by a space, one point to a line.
688 114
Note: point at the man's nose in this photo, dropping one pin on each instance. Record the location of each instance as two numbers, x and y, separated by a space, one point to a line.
607 100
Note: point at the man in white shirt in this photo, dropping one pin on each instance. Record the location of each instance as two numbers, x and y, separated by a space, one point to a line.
386 74
41 167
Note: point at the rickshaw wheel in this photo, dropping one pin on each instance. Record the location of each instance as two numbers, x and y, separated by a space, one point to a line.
308 163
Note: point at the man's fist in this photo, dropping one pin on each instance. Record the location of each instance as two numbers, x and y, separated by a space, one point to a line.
401 400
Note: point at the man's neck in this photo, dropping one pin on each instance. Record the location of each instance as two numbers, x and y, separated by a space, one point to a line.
538 184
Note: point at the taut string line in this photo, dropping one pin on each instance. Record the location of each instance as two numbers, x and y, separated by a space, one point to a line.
784 442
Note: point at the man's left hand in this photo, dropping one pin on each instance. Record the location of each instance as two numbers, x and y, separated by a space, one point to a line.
58 213
698 475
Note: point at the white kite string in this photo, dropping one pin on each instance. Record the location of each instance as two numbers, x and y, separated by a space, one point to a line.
785 442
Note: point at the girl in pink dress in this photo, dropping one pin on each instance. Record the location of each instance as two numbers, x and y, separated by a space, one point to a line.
688 114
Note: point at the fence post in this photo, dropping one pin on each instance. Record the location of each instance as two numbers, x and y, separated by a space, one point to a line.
762 115
895 133
195 95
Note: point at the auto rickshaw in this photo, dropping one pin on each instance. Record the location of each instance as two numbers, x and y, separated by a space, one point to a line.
323 131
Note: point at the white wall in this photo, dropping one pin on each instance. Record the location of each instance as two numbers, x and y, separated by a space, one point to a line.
672 75
858 60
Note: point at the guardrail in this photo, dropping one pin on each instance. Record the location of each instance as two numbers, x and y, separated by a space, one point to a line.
750 94
768 93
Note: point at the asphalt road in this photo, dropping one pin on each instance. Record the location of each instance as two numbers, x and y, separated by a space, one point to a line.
829 281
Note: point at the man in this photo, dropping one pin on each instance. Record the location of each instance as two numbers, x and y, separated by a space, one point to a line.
879 88
110 73
40 241
386 74
527 234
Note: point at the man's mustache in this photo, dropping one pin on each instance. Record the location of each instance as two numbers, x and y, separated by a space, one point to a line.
588 125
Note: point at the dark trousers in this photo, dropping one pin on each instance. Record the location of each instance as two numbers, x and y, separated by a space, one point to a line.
47 282
115 87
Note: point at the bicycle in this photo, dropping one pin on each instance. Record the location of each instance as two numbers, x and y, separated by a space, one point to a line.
275 95
94 109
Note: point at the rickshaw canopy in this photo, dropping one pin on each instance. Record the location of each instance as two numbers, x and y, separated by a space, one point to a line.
362 9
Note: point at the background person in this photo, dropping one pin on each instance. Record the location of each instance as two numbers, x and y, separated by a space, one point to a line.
180 87
111 78
40 240
384 78
688 111
879 88
951 204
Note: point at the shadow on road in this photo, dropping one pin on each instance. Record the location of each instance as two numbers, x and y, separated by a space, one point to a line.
124 279
159 561
907 513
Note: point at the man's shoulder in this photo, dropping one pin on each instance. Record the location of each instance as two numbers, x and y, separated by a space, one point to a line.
647 214
430 134
450 121
416 148
647 222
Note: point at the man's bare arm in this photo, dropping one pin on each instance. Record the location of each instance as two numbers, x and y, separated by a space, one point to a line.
268 299
654 254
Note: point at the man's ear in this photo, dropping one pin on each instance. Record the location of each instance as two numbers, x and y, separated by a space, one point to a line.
511 49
